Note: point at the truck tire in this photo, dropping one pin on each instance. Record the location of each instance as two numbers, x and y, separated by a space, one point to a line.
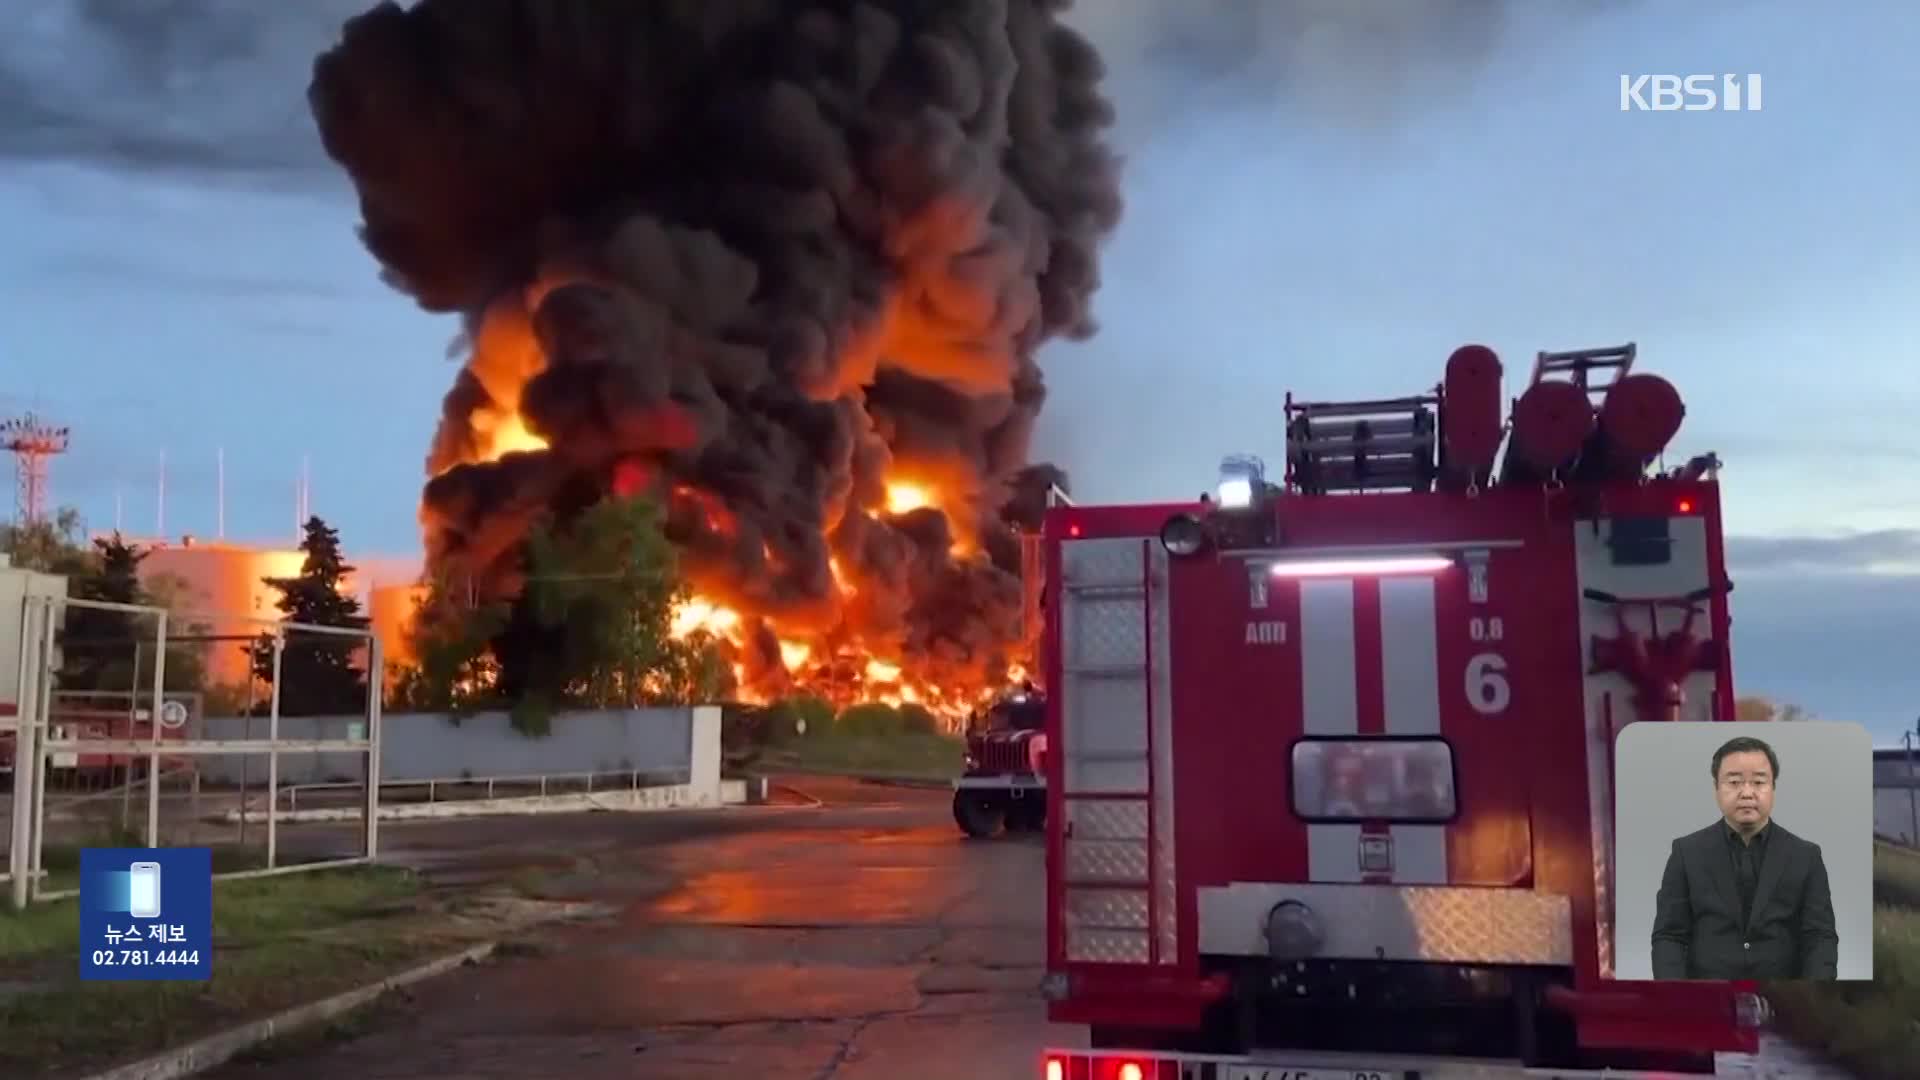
979 814
1027 814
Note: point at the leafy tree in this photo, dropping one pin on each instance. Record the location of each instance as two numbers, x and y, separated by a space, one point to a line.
51 546
317 672
105 650
594 624
98 644
449 637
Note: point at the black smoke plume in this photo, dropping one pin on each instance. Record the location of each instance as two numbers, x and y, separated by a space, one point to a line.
758 257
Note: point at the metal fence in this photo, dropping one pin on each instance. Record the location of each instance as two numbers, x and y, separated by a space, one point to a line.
122 768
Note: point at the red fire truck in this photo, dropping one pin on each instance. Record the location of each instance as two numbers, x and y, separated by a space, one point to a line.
1330 787
1003 781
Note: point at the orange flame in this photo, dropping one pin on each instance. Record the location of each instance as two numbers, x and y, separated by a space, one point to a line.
506 355
505 435
905 497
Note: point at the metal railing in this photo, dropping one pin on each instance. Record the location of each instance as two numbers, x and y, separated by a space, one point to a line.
631 779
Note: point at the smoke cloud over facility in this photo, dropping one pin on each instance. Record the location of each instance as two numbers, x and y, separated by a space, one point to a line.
784 266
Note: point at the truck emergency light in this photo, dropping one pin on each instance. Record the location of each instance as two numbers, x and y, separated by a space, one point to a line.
1242 480
1359 566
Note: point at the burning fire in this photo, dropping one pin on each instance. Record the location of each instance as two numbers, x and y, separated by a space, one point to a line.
836 673
508 435
904 497
821 340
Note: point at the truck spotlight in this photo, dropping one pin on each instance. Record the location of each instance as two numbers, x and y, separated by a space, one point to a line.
1242 482
1183 534
1293 931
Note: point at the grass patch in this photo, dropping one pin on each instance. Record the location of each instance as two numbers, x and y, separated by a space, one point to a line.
62 861
910 754
1871 1028
278 942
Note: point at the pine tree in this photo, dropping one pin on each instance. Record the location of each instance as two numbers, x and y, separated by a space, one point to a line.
98 643
317 672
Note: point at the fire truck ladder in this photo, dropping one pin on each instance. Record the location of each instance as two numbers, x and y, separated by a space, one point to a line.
1577 364
1384 445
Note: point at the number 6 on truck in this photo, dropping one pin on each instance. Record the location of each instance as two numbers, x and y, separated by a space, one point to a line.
1487 688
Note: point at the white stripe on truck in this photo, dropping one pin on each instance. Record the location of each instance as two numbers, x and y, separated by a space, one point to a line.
1329 705
1410 671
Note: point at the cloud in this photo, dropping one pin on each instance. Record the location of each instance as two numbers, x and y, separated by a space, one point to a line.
1356 64
1879 551
1840 645
170 85
219 86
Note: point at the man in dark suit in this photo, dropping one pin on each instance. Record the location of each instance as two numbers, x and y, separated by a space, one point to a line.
1744 898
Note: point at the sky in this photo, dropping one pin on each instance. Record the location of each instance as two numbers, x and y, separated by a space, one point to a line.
1320 197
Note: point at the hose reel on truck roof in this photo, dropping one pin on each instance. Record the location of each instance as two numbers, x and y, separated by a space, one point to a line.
1567 427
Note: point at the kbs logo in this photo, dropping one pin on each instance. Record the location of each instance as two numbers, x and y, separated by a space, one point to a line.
1689 93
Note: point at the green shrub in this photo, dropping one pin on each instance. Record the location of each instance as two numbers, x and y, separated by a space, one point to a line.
872 718
918 720
815 712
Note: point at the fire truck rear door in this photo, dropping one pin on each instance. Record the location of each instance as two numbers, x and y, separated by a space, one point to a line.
1406 773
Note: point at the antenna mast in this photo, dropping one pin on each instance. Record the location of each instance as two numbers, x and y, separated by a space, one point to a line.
32 444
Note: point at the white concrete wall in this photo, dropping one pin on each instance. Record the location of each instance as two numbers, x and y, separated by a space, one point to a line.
689 737
666 745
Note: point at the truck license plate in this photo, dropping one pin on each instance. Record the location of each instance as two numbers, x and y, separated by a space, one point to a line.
1320 1073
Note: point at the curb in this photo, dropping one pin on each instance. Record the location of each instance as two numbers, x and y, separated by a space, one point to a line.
887 780
220 1048
906 780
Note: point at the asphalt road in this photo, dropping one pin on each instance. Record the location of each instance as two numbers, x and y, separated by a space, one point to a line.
853 941
859 940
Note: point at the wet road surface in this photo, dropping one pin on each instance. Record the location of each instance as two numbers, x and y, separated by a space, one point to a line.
853 941
860 940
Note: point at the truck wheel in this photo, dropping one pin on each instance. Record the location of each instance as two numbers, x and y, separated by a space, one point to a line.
979 815
1028 814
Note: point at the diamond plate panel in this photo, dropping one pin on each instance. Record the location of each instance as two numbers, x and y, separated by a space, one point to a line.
1106 946
1106 860
1431 923
1107 819
1107 909
1114 561
1111 715
1108 632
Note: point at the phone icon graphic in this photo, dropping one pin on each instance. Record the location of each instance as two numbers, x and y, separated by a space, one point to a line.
143 893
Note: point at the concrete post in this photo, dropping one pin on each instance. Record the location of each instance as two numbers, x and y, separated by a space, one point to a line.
703 771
